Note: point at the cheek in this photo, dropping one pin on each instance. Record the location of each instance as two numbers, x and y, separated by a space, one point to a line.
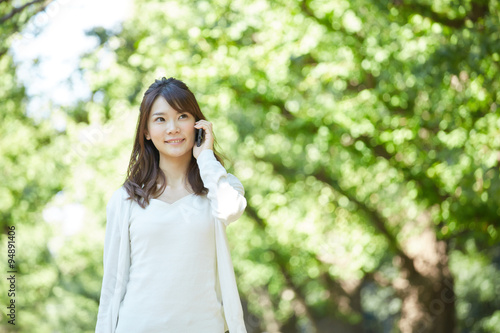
189 129
153 131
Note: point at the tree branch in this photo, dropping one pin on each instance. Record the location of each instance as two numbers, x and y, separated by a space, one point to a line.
478 11
381 151
18 10
373 216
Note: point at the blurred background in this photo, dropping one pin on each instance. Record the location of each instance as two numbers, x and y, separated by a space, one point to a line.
366 134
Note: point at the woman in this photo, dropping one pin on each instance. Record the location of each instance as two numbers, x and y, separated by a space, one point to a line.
167 266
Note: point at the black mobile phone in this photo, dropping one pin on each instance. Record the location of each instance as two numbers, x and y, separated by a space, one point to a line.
199 136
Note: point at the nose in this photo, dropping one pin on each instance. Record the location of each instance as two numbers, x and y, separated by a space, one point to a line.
172 127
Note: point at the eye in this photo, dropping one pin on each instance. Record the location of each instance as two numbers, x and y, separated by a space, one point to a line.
159 118
184 116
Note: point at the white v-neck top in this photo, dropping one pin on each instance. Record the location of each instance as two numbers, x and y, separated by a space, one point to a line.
167 268
172 270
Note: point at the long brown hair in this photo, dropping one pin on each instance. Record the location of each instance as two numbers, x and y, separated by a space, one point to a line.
144 171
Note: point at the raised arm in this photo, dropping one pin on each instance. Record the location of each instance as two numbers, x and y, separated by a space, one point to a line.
225 191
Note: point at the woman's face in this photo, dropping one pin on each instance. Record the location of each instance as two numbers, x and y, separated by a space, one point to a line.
172 132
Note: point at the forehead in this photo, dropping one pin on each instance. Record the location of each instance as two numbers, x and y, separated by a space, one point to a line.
161 106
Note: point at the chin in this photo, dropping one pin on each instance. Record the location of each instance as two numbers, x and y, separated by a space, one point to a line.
180 154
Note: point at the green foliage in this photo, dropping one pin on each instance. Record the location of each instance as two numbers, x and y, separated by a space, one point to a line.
478 283
33 174
360 130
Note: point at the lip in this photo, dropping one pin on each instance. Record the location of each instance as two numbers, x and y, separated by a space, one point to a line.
181 140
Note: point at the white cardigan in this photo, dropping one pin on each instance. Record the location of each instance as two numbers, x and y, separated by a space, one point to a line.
226 195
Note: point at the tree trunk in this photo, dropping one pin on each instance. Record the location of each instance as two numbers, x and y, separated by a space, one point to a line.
427 292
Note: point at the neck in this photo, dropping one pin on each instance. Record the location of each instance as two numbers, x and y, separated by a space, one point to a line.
175 170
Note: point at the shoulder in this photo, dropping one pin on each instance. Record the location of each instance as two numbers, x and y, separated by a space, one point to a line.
118 197
118 209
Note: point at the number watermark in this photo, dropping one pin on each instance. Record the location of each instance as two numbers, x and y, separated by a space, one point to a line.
11 274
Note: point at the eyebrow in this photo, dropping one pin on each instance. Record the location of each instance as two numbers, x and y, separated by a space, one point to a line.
162 113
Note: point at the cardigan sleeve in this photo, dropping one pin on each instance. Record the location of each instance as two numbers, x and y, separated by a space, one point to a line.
226 195
115 255
225 191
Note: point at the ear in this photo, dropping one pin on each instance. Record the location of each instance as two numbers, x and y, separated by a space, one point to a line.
146 134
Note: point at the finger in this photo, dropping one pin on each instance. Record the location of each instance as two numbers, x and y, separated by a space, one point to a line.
203 123
206 126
